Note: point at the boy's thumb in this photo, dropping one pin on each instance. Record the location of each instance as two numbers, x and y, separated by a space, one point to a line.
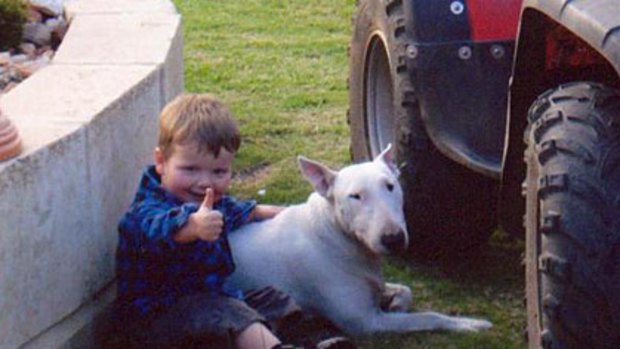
208 200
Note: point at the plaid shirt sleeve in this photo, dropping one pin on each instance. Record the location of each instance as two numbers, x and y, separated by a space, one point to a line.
236 212
153 226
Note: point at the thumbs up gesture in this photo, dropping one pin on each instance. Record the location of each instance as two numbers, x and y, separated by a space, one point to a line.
207 222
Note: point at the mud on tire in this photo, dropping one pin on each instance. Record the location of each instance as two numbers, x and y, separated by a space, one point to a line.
573 218
450 209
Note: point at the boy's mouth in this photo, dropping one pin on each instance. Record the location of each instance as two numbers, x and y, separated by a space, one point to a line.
198 197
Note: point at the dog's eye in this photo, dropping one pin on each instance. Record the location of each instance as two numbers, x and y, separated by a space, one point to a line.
390 186
355 196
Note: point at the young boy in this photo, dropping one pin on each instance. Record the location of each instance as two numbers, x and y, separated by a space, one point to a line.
173 254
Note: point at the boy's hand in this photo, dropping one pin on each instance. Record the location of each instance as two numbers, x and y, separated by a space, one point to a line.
209 222
205 224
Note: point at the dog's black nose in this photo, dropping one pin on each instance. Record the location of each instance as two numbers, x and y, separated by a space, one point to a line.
394 242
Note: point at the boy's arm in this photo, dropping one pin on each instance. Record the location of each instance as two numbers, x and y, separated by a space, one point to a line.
152 227
156 228
265 212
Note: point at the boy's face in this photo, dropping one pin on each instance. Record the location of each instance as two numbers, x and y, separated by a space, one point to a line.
187 172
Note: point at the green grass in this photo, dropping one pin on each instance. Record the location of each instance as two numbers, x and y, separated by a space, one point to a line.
282 65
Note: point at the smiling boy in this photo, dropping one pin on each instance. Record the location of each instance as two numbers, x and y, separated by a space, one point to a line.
173 255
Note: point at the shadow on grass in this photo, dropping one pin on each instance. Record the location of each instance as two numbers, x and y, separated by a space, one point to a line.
498 264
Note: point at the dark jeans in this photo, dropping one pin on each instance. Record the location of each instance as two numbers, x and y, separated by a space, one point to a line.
205 321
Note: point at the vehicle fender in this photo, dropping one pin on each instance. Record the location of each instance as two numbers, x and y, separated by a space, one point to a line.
459 62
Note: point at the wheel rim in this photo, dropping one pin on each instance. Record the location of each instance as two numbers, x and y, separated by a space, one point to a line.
378 97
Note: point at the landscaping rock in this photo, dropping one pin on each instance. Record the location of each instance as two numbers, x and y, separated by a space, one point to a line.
37 33
53 8
45 29
29 49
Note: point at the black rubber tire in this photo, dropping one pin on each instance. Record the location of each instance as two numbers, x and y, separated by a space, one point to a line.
450 209
573 218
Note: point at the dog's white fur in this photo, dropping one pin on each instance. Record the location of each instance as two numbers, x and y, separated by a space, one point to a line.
326 252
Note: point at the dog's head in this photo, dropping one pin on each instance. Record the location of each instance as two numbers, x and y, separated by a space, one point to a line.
367 200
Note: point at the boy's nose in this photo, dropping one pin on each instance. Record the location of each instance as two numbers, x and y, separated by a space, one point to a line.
205 181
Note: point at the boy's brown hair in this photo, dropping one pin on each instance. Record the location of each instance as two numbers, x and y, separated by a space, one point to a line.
199 118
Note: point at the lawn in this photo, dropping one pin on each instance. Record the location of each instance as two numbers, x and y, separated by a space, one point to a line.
282 66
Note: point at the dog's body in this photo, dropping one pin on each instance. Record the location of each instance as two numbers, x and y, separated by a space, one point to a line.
326 252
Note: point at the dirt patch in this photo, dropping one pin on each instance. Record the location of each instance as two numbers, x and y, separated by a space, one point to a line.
252 174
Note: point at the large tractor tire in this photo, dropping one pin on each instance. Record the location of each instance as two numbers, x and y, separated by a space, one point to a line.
450 209
573 218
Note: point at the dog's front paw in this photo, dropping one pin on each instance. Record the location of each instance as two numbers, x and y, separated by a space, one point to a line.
472 325
396 298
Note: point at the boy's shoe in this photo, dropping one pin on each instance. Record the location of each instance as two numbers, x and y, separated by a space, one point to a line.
331 343
336 343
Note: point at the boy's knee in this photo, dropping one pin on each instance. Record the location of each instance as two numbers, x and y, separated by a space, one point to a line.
256 336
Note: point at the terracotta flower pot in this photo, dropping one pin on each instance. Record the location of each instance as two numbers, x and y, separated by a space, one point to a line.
10 142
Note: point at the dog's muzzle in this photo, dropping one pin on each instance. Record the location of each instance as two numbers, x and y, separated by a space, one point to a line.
394 242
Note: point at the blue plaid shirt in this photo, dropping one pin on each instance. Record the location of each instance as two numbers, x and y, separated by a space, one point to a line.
153 269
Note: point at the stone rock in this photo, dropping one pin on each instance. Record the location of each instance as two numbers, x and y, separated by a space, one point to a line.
37 33
11 85
20 58
54 23
34 15
30 67
59 28
5 58
53 8
8 87
28 48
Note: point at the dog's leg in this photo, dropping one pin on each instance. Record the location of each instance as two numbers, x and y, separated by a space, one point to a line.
355 313
396 298
426 321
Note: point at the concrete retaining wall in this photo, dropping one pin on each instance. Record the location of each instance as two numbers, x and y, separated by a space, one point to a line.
88 124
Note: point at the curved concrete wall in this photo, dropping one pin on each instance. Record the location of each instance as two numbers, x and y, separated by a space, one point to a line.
88 123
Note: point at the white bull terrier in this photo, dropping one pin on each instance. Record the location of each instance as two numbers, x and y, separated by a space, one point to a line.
325 253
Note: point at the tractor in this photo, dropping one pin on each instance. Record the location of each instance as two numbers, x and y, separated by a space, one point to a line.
503 112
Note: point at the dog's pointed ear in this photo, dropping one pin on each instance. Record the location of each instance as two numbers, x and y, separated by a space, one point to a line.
387 158
320 176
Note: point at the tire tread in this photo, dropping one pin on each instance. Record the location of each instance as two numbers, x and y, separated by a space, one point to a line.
572 133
